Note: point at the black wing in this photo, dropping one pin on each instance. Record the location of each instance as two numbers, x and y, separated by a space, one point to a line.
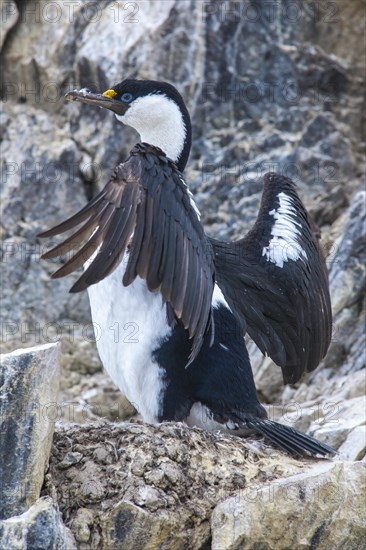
147 208
275 281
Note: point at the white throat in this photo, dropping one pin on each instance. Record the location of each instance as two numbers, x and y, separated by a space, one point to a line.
159 122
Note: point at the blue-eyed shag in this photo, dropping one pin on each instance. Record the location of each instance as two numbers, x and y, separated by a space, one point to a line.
149 264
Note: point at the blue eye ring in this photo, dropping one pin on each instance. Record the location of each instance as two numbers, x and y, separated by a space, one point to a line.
126 97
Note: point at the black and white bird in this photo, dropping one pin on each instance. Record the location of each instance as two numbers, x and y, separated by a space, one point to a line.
148 264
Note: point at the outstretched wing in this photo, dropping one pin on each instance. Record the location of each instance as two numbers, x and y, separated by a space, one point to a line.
145 209
275 281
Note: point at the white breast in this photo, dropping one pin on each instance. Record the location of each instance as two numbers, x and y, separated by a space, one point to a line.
129 323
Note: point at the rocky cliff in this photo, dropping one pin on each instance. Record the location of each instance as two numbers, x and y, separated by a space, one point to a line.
270 86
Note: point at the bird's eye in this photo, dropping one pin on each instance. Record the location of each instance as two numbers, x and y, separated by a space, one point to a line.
127 97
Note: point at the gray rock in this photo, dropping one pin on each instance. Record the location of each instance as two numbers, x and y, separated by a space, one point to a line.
319 508
37 182
347 264
354 447
129 527
39 528
29 391
9 17
339 421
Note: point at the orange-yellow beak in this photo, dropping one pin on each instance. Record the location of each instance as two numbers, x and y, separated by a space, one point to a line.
111 94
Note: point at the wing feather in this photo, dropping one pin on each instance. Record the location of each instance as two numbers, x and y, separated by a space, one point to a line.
281 295
75 220
89 248
145 208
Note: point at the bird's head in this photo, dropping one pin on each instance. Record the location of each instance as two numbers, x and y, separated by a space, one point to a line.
155 109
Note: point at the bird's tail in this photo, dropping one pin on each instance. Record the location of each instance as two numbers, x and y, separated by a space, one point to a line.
288 439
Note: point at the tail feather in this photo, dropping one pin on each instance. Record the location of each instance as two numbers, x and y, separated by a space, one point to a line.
290 440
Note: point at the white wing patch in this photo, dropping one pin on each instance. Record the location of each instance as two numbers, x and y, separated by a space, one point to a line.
194 205
284 245
191 199
218 298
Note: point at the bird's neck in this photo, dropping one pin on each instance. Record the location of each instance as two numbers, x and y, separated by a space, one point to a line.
170 139
161 123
